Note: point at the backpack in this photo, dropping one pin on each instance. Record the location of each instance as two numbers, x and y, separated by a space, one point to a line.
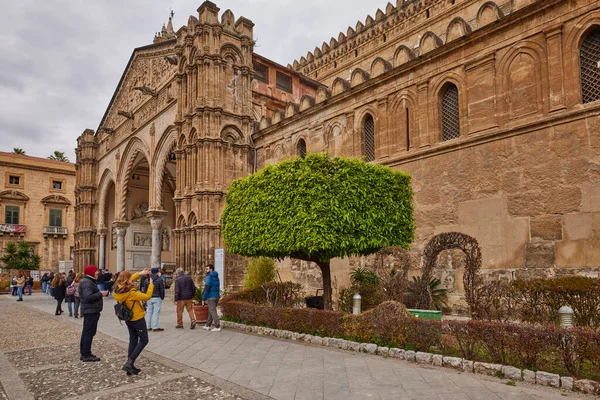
123 312
71 289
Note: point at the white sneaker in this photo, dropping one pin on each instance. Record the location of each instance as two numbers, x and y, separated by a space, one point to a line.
206 328
215 330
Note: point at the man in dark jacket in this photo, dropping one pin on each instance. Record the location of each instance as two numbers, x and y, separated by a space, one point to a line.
211 294
154 304
91 306
184 293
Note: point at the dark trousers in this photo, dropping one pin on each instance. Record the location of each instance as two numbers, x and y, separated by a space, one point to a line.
58 306
77 303
213 317
138 338
90 325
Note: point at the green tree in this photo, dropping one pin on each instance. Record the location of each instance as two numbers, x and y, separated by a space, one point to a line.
16 150
58 156
260 270
317 208
19 255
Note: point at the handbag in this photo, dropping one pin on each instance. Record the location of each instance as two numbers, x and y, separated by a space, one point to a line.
123 312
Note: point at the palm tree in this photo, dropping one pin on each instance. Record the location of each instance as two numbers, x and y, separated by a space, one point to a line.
19 256
58 156
16 150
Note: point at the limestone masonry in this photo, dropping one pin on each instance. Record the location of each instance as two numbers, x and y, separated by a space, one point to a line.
492 107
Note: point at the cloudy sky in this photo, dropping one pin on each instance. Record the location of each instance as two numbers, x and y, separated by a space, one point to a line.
62 59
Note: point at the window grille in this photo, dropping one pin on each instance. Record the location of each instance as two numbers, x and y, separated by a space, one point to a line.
589 60
369 138
450 113
301 148
11 215
284 82
261 72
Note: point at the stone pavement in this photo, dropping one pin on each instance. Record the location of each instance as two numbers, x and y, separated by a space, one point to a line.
284 369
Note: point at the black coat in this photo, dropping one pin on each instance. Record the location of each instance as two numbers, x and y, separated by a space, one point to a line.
159 285
90 296
184 288
60 291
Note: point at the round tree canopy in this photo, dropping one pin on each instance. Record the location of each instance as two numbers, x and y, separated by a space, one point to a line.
317 208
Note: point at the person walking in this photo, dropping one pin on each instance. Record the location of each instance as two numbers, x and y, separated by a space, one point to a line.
184 293
76 298
126 293
59 288
29 285
44 281
70 292
155 303
13 286
212 294
50 279
20 281
91 307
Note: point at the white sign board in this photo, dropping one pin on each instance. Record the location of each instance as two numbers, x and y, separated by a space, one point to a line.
220 266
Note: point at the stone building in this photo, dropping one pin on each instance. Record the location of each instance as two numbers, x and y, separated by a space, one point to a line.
492 107
36 205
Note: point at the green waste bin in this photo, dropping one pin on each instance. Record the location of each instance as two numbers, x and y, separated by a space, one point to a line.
427 314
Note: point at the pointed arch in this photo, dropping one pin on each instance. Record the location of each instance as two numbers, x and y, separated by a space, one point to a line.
166 145
107 179
403 55
379 67
232 53
181 222
358 76
306 102
232 134
457 28
323 94
136 147
339 85
488 13
192 220
402 126
430 41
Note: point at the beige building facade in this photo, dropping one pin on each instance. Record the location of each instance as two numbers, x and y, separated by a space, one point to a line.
492 106
37 206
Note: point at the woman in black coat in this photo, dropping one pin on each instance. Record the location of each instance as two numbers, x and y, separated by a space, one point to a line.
59 290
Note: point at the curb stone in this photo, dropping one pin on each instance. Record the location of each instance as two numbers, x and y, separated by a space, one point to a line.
532 377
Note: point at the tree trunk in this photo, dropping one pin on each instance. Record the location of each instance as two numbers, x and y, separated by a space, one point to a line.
326 272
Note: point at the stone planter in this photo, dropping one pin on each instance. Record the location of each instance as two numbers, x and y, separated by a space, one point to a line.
201 313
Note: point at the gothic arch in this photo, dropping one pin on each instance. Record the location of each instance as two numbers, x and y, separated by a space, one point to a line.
231 134
339 85
436 89
232 53
379 66
192 220
488 13
306 102
107 179
398 123
165 147
135 147
403 55
430 41
181 222
192 137
448 241
457 28
358 76
322 94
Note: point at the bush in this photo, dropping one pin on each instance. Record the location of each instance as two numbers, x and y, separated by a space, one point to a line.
538 300
370 296
260 270
276 294
385 323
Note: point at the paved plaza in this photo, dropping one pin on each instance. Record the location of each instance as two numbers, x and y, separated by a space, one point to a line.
41 351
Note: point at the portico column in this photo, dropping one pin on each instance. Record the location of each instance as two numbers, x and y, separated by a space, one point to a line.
120 230
156 219
101 250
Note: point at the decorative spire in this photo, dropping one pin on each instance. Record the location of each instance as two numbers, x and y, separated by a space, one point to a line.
170 30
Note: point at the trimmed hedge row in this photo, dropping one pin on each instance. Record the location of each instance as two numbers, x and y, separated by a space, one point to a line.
536 347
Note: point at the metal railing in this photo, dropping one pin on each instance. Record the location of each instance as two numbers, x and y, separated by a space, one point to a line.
55 230
12 228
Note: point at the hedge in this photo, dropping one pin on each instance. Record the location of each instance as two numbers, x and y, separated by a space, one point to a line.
537 347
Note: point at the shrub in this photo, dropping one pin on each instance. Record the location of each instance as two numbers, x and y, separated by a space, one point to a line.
276 294
260 270
385 323
370 296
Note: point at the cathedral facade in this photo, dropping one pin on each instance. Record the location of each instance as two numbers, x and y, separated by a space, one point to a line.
493 107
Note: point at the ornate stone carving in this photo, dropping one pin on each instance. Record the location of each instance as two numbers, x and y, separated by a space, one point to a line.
113 238
139 211
142 239
165 240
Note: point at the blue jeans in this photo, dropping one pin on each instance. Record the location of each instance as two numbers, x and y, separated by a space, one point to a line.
44 286
70 306
138 338
30 289
152 312
20 292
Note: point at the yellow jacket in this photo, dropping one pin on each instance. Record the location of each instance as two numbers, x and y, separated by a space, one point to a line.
133 298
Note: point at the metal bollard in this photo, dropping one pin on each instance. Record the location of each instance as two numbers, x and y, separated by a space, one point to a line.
566 316
356 299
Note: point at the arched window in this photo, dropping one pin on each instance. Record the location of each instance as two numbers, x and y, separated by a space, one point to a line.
301 148
449 112
369 138
589 60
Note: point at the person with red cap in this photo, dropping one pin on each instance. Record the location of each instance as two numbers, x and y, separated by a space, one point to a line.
91 306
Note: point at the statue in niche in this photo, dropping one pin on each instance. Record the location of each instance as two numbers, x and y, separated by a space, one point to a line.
139 211
166 240
113 238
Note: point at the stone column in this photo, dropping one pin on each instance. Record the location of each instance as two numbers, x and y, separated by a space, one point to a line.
120 230
102 248
156 220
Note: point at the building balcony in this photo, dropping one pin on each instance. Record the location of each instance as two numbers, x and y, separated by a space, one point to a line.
12 230
55 231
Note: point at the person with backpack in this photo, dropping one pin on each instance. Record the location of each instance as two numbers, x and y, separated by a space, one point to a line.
126 294
44 281
59 288
155 303
70 291
76 297
91 307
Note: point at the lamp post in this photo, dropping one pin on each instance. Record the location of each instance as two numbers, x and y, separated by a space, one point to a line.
566 316
356 300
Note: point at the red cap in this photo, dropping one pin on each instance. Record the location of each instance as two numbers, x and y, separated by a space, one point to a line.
90 270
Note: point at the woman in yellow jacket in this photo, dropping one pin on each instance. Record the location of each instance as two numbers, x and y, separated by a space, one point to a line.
132 298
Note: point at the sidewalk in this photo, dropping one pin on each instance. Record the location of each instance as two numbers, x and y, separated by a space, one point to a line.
284 369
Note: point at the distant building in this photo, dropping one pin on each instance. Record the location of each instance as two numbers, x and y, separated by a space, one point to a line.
36 205
492 106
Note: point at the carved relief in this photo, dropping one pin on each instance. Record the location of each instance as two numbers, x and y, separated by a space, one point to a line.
139 211
113 238
165 240
142 239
